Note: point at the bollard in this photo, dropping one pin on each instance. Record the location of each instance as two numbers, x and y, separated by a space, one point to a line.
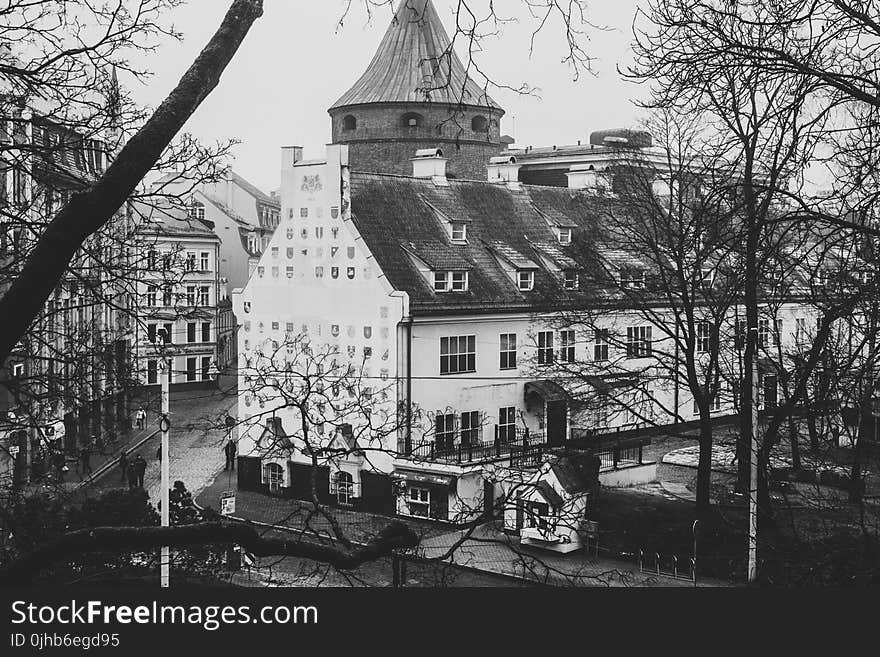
657 560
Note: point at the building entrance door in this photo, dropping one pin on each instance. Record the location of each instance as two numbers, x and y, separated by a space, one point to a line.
557 421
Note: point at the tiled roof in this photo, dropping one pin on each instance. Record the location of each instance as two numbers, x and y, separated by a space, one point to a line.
159 215
415 63
253 190
393 217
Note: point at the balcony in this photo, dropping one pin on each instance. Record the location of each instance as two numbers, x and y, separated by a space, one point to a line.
520 446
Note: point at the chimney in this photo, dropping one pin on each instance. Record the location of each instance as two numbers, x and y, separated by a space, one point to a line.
504 169
430 163
290 155
584 176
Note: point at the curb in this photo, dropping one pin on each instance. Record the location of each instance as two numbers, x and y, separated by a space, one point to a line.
109 465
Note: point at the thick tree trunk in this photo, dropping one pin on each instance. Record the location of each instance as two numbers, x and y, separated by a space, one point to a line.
794 437
704 470
814 431
88 211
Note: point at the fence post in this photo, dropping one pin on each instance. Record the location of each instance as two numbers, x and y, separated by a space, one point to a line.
657 560
640 454
641 555
615 454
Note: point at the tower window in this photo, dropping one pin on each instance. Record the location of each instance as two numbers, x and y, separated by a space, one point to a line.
412 120
349 123
480 124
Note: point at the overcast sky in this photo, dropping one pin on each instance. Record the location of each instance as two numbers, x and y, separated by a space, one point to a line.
294 64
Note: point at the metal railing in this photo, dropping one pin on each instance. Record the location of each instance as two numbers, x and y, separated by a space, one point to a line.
518 444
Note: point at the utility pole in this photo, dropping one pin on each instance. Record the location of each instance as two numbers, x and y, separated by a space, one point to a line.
164 426
753 471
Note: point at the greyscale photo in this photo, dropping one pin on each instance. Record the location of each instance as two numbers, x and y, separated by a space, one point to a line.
435 294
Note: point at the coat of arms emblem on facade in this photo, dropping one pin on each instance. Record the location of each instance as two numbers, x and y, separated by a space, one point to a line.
312 184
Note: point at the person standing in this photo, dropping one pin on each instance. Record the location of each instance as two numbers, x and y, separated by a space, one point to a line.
230 450
140 467
141 418
123 466
131 474
85 455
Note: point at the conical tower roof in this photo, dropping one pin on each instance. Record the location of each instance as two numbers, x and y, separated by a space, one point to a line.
415 63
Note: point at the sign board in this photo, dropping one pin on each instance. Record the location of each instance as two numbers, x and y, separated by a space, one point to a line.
13 451
227 503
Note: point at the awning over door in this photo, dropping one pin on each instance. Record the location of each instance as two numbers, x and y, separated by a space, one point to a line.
549 391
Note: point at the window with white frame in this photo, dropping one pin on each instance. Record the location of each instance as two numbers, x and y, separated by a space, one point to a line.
508 351
763 332
445 432
343 484
600 344
777 335
419 501
800 331
564 235
151 296
566 347
570 279
167 295
190 261
204 295
525 280
274 477
470 428
450 281
707 279
152 372
191 372
704 337
507 424
18 370
459 231
190 295
204 261
458 354
714 404
545 348
633 279
206 368
638 341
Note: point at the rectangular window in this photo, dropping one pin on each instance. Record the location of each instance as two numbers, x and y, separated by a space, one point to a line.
742 327
570 280
206 368
470 428
632 279
638 341
458 354
190 261
526 280
800 331
600 344
508 351
445 432
204 295
419 502
545 348
304 213
191 365
763 333
206 331
167 296
151 259
204 258
777 335
566 347
152 372
151 333
169 333
564 235
507 424
459 281
191 332
714 404
190 295
704 337
707 279
459 231
441 281
151 296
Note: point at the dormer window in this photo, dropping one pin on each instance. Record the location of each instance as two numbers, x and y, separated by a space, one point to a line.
570 280
707 279
632 279
525 280
450 281
197 211
459 231
563 235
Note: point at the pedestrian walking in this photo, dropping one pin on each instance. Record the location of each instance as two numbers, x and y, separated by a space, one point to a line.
123 467
159 453
141 418
230 450
140 466
60 465
132 475
85 456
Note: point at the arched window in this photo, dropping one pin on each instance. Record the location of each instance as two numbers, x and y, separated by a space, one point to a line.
344 487
349 123
412 120
480 124
274 477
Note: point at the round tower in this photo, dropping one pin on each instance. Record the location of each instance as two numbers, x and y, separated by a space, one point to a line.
416 94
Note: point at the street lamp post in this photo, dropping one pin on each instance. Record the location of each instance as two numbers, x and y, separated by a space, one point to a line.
164 426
